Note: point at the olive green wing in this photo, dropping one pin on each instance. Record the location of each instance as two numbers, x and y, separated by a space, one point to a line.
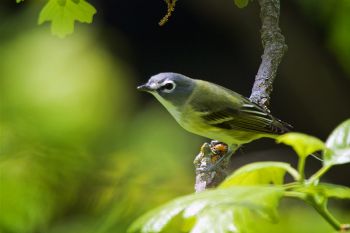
225 109
247 118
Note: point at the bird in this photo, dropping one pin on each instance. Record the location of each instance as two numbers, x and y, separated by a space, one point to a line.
213 111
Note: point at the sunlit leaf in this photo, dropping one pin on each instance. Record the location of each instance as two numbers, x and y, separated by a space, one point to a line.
220 210
303 144
338 145
241 3
327 190
19 1
260 173
64 13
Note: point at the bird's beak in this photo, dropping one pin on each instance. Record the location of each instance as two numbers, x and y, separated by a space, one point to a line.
145 87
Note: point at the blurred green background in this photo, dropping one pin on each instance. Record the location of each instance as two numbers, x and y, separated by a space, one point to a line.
81 151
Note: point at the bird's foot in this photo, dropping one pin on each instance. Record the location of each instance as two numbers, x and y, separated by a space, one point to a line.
220 152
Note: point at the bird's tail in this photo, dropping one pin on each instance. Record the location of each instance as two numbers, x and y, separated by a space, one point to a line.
283 127
287 127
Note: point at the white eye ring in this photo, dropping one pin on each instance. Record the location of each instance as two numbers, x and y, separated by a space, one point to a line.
168 86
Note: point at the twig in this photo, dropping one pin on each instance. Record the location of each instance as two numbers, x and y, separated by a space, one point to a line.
171 7
322 209
274 48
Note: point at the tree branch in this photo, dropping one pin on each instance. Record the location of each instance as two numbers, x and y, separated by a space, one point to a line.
274 48
206 159
204 179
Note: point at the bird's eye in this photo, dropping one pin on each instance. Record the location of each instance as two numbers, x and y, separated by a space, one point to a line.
168 87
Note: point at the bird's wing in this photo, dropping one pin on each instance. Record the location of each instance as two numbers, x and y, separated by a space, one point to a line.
246 118
231 111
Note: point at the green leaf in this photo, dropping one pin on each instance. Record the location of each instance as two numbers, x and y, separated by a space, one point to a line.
241 3
338 145
63 14
303 144
260 173
219 210
326 190
19 1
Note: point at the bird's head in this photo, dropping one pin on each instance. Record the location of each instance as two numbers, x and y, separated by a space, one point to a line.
172 87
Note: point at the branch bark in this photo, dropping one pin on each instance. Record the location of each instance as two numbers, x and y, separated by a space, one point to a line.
204 178
274 48
207 158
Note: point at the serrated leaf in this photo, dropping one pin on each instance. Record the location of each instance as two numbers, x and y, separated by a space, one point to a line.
260 173
338 145
64 13
327 190
241 3
303 144
224 206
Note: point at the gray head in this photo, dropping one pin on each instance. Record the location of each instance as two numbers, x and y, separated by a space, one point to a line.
172 87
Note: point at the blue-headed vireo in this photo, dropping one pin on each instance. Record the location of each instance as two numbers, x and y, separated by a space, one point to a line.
211 110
